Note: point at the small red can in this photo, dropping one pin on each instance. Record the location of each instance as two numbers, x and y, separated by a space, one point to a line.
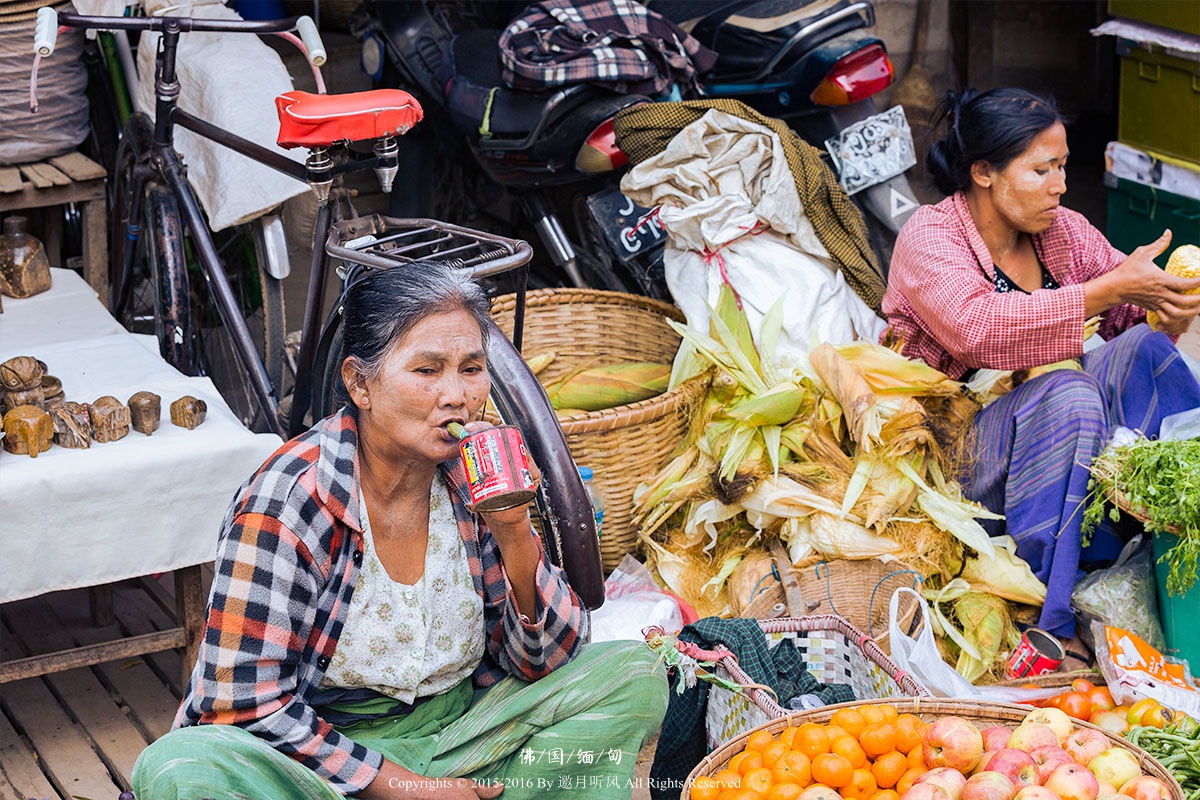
1036 654
497 464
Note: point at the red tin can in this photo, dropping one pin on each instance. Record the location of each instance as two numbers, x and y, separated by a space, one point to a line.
497 464
1036 654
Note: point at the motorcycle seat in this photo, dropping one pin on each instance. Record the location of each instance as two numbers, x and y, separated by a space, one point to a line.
320 120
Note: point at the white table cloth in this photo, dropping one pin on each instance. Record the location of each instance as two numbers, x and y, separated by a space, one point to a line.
140 505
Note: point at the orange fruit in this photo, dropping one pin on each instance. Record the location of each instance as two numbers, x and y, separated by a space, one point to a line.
888 769
886 794
758 780
704 788
916 759
737 760
873 714
834 731
849 720
788 736
758 740
740 794
793 767
728 779
832 770
879 739
783 791
889 712
751 761
862 785
908 778
910 730
811 739
773 752
849 748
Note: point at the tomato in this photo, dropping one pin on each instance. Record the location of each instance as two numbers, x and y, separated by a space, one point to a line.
1076 704
1101 698
1157 717
1082 685
1134 715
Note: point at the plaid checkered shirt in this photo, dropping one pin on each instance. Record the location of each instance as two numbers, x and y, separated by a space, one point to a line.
620 44
942 301
287 562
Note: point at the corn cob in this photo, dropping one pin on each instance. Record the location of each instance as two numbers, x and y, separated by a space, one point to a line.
539 362
1184 262
612 385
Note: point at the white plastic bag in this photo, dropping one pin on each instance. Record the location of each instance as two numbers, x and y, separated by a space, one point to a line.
919 657
632 601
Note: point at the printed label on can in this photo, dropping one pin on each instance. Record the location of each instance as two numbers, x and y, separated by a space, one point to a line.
1036 654
497 466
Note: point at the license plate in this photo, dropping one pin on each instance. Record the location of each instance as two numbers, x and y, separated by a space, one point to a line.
872 150
630 229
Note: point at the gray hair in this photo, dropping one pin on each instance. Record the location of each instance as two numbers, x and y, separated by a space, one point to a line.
384 305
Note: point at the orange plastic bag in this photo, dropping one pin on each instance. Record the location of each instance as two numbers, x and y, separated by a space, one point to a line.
1134 670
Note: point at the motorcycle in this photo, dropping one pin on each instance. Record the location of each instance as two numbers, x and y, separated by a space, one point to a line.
493 157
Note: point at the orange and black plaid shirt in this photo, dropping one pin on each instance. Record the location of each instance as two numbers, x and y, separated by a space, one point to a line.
287 562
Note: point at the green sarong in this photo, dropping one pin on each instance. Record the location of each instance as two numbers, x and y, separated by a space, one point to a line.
577 730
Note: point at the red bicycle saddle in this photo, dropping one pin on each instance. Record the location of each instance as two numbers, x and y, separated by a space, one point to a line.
319 120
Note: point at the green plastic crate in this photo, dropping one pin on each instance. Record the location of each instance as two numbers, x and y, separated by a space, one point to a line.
1182 15
1137 215
1180 622
1159 102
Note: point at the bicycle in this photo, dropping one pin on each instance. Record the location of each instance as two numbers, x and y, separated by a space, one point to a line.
154 207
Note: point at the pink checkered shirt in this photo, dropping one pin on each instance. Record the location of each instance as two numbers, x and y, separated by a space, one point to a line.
942 302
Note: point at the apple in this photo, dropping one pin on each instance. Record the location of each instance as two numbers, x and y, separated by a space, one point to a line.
1110 721
918 791
1084 744
819 792
952 742
949 779
1107 788
1116 765
1016 765
995 737
1030 736
1108 795
983 761
1035 793
1073 782
1145 787
1049 759
1056 718
988 785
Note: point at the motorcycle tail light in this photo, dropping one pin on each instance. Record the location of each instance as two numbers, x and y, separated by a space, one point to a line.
599 152
855 77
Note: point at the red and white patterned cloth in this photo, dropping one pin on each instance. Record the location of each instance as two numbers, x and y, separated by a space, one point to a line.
942 301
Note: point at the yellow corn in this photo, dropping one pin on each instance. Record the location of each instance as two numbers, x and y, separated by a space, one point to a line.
1184 262
612 385
539 362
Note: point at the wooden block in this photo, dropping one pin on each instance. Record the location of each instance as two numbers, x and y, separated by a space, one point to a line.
43 175
10 180
79 166
64 751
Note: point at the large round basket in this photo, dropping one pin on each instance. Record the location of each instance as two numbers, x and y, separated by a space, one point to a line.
1057 680
624 445
857 590
982 714
832 649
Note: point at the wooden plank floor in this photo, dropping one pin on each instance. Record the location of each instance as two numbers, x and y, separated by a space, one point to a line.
75 735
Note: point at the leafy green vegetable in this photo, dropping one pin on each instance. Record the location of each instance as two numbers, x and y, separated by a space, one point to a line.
1159 481
1177 747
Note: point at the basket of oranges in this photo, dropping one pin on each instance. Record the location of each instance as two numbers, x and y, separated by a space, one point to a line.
926 748
833 651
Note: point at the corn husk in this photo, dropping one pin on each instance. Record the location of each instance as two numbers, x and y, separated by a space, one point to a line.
1005 574
611 385
888 372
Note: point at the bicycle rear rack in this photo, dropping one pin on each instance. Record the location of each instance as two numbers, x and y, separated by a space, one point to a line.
384 242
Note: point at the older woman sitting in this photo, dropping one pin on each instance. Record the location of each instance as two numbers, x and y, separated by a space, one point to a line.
369 634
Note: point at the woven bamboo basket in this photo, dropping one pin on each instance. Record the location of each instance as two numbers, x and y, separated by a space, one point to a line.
627 444
858 591
983 714
1055 680
834 651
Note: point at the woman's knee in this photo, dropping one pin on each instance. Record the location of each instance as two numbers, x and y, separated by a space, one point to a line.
182 755
1071 395
641 675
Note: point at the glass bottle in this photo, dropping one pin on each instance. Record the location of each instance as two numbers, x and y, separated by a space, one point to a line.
24 269
594 495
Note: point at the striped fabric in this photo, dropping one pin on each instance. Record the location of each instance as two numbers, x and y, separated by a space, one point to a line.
287 562
1033 447
619 44
643 132
942 301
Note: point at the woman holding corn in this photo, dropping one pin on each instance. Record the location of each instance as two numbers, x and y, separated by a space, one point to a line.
368 633
999 275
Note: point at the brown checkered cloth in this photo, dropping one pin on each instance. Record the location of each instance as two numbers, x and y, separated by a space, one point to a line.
644 131
619 44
